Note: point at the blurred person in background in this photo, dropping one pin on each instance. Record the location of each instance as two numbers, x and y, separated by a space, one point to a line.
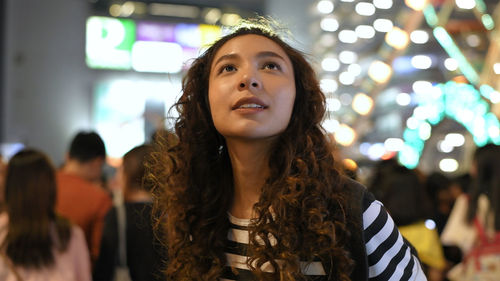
482 202
35 242
403 194
79 196
143 251
442 191
460 184
438 186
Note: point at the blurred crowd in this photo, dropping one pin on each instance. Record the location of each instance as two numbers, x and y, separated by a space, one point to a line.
437 213
63 223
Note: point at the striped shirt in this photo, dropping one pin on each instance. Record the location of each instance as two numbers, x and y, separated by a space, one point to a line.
389 257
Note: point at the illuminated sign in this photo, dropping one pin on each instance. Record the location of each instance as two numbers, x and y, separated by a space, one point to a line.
109 42
144 46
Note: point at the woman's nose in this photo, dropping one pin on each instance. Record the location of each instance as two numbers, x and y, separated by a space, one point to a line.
253 84
249 81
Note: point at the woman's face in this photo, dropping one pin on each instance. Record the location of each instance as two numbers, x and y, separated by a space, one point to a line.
251 88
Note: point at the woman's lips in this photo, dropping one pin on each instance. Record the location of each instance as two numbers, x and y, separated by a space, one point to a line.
249 103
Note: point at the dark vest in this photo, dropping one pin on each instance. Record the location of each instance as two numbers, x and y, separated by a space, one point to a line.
356 196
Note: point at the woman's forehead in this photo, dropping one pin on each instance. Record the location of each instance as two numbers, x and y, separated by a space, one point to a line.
249 44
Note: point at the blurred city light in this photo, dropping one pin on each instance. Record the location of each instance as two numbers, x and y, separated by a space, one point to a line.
496 68
330 64
379 71
345 135
330 125
424 131
466 4
382 4
397 38
365 31
354 69
348 57
419 36
325 6
333 104
444 146
365 9
362 103
329 24
348 36
448 165
346 78
421 61
451 64
417 5
403 99
328 85
383 25
393 144
422 87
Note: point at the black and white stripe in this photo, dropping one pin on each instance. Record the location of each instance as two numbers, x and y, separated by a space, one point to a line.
389 257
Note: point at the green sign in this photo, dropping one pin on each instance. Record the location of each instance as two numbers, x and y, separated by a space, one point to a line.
109 42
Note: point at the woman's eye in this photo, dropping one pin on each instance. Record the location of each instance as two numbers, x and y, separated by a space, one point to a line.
272 66
227 68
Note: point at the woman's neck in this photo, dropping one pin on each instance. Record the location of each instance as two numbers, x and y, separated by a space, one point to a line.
249 161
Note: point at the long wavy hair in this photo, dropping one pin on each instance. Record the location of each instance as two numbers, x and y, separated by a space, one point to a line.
194 184
30 196
486 181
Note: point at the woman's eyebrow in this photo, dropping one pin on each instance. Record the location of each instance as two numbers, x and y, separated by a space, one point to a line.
266 54
226 57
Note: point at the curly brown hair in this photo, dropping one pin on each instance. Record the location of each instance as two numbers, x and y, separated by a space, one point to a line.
194 185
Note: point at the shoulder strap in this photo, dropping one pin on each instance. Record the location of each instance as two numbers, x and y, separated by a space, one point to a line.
481 232
122 234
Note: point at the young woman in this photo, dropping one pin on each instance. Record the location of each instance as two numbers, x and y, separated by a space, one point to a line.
482 202
250 191
36 243
142 257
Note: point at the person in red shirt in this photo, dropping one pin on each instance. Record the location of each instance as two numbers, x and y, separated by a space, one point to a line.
79 196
